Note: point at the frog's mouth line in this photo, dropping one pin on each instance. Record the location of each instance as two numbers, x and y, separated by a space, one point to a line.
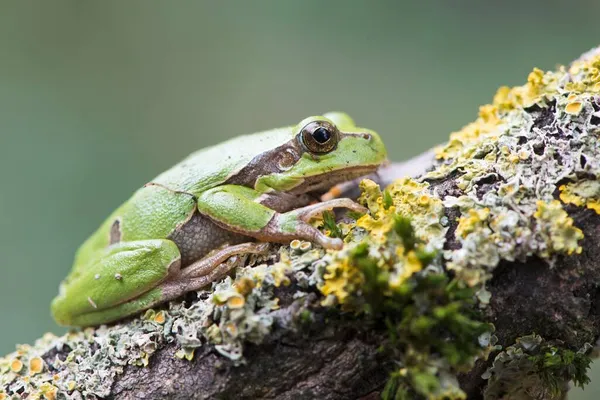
317 185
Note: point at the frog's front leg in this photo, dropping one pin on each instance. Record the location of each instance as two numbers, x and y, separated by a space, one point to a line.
239 209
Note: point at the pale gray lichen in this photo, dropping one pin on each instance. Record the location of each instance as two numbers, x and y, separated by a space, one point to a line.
509 164
86 363
533 368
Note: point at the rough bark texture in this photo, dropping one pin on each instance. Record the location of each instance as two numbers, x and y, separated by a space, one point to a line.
561 303
332 365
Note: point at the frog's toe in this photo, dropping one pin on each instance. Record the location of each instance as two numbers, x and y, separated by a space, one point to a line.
330 243
308 212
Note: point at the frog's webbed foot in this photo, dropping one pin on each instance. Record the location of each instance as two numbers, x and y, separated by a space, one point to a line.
303 230
209 269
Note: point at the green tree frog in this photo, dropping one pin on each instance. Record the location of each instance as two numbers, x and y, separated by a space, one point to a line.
175 234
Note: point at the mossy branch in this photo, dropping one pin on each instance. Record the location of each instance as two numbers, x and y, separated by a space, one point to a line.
477 271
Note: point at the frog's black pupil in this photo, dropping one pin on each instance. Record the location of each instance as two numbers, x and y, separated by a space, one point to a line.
321 135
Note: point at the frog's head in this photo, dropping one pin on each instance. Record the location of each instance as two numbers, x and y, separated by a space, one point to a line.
325 150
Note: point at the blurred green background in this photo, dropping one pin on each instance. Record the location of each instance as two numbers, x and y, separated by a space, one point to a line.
96 98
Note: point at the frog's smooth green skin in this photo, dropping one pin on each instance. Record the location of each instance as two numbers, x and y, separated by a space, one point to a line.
159 244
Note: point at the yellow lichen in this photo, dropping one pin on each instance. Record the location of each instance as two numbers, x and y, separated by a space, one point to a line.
16 365
220 297
236 302
594 205
474 220
36 365
585 74
378 227
464 141
410 199
502 161
574 107
341 279
232 298
582 193
409 264
275 304
49 391
464 145
143 360
449 393
539 84
160 317
513 158
405 198
280 273
557 228
186 352
379 221
371 196
524 155
244 285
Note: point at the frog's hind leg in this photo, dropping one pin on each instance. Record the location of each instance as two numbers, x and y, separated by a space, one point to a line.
207 264
120 280
208 269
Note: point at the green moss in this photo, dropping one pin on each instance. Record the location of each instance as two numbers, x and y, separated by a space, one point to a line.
330 225
404 229
388 200
535 368
428 320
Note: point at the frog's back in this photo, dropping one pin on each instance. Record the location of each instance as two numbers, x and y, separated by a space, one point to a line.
155 211
209 167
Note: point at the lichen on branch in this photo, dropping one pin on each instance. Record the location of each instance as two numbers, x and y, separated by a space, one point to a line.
479 270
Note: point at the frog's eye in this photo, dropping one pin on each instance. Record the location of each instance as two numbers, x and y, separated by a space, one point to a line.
319 137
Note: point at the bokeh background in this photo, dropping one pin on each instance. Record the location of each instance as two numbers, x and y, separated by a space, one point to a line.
96 98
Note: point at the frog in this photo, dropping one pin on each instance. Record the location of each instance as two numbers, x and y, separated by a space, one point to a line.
184 229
